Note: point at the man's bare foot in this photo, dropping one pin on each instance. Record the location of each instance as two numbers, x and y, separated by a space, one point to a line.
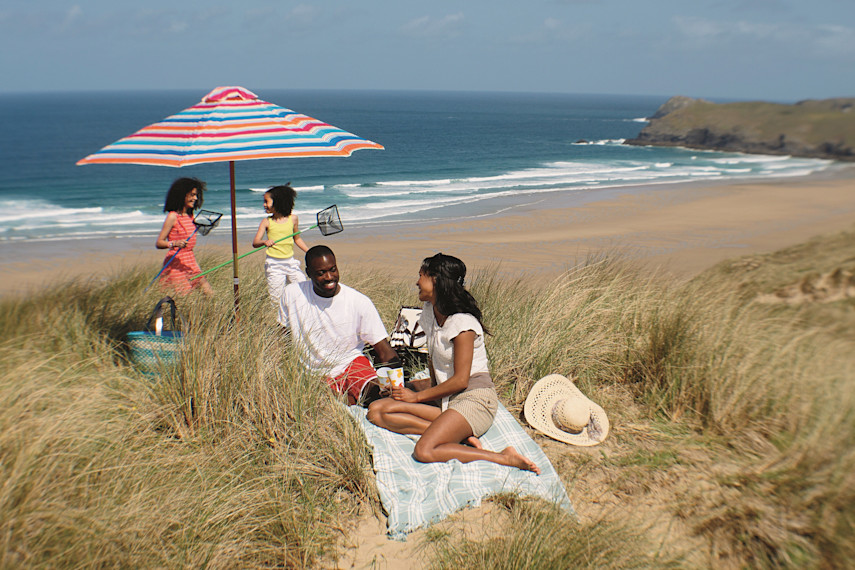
474 442
519 461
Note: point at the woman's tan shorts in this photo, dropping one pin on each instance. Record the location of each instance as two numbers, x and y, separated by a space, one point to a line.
477 406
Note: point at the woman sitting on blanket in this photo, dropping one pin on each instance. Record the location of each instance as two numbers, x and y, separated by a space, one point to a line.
451 320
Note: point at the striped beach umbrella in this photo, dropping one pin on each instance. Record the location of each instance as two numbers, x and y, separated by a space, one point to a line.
229 124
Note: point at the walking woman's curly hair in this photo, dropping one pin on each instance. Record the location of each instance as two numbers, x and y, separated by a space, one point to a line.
449 275
178 191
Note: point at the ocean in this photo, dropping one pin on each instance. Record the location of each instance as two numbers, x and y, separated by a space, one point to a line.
447 155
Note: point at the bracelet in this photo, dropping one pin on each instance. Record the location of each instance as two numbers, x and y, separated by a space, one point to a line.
169 244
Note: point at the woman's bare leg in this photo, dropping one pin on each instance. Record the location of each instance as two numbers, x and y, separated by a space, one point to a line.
401 417
440 443
474 442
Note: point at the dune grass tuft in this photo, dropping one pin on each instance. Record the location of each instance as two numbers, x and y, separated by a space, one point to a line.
538 535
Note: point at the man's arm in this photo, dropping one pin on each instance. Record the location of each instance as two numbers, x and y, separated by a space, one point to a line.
371 327
385 353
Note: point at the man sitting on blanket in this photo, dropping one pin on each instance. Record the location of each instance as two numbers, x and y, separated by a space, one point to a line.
331 324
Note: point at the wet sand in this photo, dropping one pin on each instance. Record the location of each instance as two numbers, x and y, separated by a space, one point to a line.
679 229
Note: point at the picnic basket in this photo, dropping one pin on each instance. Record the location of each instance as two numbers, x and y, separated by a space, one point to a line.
408 338
156 349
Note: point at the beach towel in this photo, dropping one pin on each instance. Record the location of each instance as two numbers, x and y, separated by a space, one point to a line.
416 494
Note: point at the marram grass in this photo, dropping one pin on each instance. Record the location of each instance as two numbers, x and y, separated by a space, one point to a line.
240 459
538 535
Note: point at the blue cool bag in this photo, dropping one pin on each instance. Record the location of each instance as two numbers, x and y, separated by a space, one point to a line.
155 350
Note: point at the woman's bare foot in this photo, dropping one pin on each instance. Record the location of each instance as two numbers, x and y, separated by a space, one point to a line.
519 461
474 442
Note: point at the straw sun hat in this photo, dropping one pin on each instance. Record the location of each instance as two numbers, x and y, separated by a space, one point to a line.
557 408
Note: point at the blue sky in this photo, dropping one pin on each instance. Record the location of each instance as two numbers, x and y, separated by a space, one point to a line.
781 50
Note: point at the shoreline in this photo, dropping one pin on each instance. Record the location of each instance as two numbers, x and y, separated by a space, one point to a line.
680 229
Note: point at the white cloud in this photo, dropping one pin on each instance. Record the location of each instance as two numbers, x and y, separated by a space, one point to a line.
303 13
427 27
71 16
836 40
759 31
817 39
697 28
552 30
703 29
212 14
177 26
417 24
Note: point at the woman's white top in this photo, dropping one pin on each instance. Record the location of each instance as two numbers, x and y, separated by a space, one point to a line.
441 347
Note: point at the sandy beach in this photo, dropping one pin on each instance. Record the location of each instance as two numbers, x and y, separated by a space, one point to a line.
678 229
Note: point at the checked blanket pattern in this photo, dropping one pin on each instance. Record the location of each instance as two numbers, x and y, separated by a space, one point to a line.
417 494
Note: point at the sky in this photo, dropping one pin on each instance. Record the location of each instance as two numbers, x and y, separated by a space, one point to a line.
776 50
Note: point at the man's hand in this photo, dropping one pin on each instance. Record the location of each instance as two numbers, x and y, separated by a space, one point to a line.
381 389
371 392
386 354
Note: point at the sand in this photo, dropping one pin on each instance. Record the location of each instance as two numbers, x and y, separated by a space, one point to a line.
679 229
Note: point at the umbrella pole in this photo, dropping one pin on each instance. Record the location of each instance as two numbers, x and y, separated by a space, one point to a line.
234 236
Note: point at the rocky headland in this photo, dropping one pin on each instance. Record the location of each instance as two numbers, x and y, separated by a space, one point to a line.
814 128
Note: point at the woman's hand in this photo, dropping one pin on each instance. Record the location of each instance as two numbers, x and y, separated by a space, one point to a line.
404 395
269 243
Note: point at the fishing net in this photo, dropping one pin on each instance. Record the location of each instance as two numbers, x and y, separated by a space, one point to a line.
328 221
206 220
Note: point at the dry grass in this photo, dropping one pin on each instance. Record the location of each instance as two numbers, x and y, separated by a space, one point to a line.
238 459
731 445
735 418
536 535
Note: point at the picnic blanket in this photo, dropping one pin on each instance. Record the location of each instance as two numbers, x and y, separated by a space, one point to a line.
417 494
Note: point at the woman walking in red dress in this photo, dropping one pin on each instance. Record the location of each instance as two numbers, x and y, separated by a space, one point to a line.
183 198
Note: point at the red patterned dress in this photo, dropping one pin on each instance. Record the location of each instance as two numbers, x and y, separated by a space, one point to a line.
178 273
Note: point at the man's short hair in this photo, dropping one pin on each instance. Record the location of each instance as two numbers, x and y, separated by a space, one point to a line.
316 252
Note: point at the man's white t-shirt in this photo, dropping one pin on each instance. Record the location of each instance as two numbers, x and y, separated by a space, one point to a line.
330 331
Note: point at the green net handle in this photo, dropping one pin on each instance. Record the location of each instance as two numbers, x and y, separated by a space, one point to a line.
249 253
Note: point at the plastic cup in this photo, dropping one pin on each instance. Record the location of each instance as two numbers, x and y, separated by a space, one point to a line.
383 377
396 377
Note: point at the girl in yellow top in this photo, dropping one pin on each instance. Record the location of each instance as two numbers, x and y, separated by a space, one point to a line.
280 266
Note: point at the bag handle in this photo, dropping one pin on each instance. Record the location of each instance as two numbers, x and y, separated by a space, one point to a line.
416 334
157 315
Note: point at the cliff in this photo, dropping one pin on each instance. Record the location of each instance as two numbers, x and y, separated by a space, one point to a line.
815 129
